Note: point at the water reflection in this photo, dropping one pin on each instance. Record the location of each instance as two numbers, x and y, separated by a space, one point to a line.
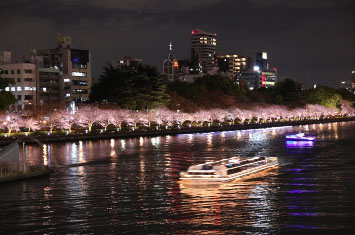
246 199
137 189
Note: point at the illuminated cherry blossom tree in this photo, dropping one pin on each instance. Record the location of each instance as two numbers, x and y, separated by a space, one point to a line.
88 115
120 116
106 118
30 124
12 122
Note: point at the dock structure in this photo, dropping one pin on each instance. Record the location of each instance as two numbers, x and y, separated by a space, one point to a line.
13 167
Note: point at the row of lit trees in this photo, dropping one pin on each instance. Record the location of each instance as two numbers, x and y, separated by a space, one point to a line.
87 116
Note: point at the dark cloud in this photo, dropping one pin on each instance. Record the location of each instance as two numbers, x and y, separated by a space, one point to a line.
311 41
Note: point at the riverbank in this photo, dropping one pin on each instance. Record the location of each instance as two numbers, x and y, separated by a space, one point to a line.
173 131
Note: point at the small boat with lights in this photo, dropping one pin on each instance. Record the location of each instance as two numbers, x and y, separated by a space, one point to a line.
227 169
300 137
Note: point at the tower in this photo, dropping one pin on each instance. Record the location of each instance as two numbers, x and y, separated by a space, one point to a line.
203 50
171 66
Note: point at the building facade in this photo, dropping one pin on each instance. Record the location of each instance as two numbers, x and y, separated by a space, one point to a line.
74 63
203 50
52 87
232 63
24 87
261 75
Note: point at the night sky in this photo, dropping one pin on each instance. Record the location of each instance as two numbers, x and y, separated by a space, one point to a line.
309 40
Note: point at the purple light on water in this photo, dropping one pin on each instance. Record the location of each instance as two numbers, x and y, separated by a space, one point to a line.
299 144
302 226
305 179
300 184
295 170
301 191
304 214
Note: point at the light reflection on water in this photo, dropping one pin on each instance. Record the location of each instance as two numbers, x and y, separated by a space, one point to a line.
132 186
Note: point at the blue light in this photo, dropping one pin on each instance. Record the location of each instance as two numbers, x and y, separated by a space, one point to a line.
304 214
302 226
302 191
299 144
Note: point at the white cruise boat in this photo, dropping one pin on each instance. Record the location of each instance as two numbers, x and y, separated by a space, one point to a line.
227 169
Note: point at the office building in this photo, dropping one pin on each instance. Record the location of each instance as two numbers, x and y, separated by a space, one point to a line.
203 50
232 63
52 88
260 75
74 63
261 61
24 77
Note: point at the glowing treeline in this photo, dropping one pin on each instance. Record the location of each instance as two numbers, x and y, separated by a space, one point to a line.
88 116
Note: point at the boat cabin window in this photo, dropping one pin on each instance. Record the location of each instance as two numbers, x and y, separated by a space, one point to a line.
201 173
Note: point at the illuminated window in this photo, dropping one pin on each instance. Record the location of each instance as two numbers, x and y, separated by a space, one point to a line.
7 88
79 74
264 55
12 88
19 88
80 83
66 80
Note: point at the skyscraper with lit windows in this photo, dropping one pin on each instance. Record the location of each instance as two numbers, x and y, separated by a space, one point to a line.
203 50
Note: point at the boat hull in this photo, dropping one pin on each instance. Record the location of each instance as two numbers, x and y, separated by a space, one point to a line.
216 179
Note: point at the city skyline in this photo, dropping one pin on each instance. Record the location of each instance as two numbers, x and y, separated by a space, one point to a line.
310 41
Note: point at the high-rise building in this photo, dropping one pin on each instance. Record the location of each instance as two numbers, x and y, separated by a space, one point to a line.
261 61
74 63
53 87
260 75
171 66
203 50
232 63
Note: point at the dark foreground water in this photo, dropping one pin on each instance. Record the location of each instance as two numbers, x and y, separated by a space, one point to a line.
131 186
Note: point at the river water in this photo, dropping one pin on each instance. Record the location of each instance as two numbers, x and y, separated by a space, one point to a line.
131 186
